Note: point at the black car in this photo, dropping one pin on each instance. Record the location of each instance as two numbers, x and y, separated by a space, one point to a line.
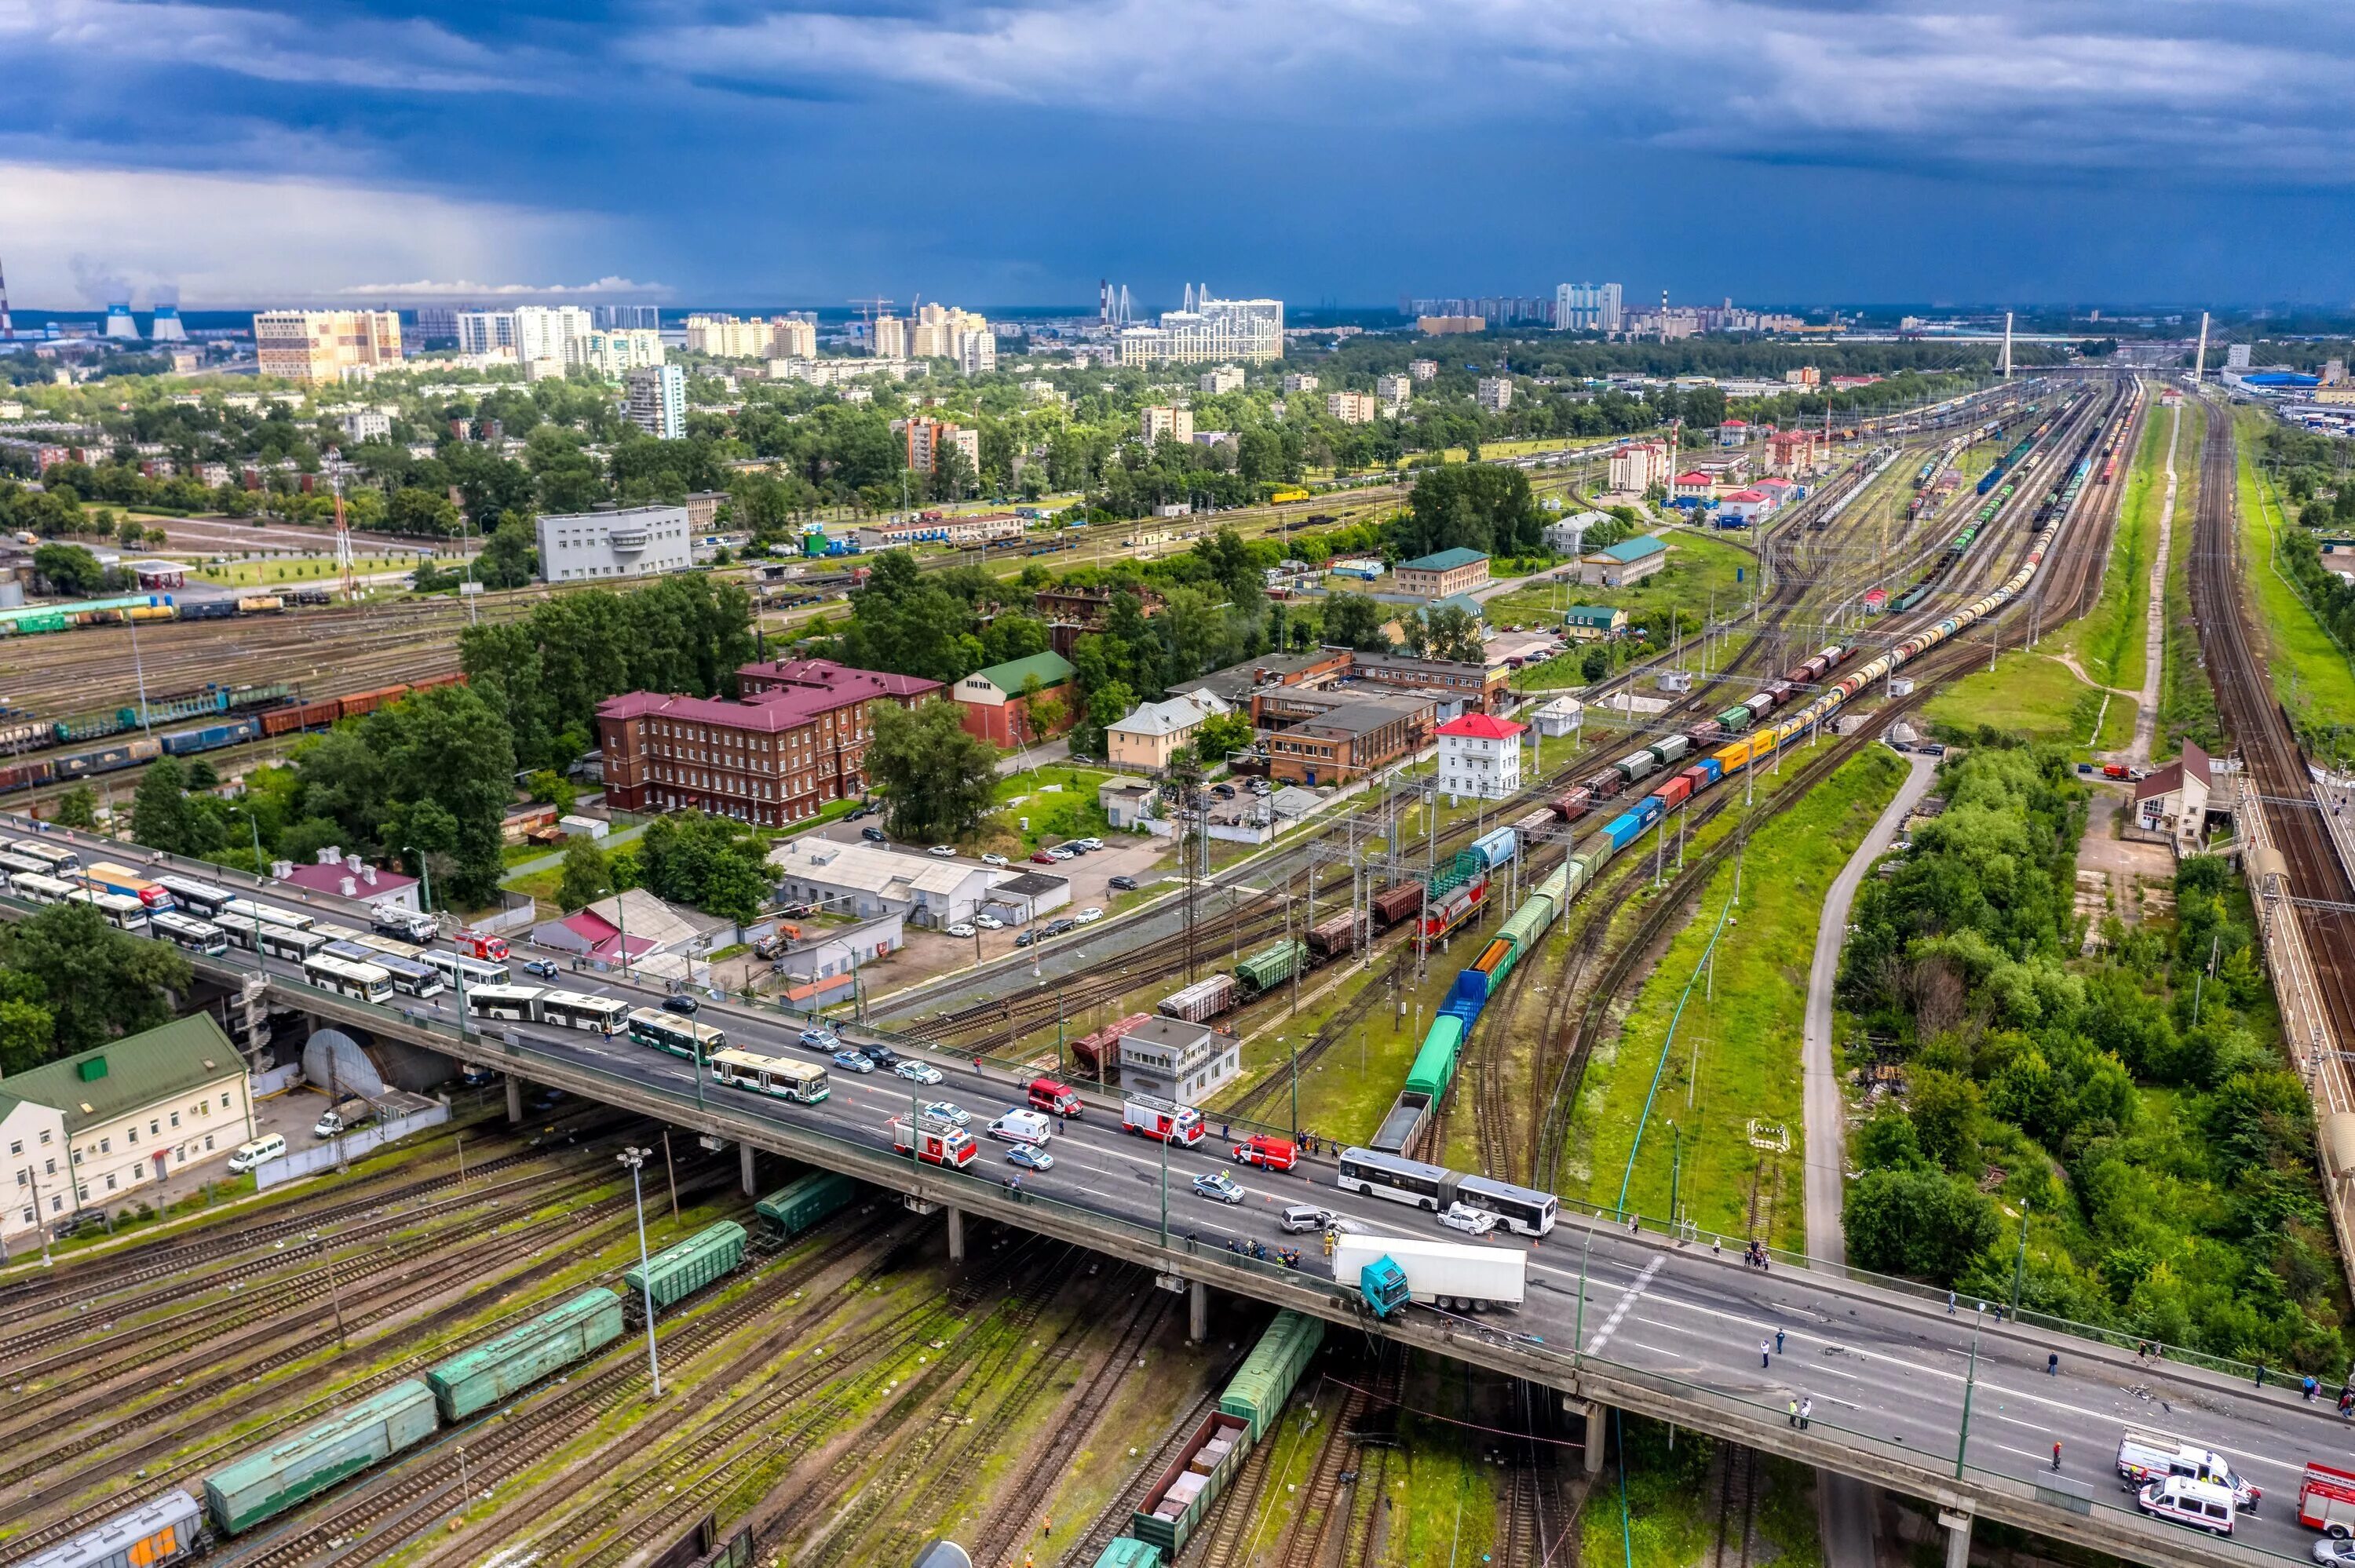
1025 938
1224 791
686 1005
873 836
1057 928
1122 884
881 1056
856 812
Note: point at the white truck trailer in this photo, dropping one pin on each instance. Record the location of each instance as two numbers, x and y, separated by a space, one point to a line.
1438 1274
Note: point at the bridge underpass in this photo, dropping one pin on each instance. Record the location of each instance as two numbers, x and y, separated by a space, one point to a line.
1958 1411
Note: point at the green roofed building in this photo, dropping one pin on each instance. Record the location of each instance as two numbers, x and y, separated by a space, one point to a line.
1437 577
102 1127
1588 622
997 711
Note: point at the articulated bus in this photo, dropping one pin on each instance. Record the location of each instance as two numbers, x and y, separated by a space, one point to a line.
787 1079
12 863
118 910
187 931
56 857
1522 1209
679 1037
344 977
278 942
202 899
270 914
512 1003
473 971
410 977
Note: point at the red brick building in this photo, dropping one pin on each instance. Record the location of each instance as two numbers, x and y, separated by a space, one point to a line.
797 740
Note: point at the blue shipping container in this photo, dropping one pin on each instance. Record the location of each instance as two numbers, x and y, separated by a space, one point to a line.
1621 831
1710 768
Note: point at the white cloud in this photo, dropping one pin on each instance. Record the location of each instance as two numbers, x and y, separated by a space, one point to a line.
227 240
607 288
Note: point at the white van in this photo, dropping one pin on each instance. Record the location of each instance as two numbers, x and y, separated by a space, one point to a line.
2146 1455
1023 1127
2201 1505
270 1146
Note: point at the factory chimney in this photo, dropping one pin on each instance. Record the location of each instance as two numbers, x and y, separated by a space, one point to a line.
2007 346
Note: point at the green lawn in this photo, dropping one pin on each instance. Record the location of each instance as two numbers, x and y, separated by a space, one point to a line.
1057 802
2186 702
2029 695
2311 673
298 569
2109 641
1746 1026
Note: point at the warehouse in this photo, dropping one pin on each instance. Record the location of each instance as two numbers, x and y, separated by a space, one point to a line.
1625 563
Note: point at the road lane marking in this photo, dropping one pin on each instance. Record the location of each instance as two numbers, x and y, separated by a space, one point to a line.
1611 1324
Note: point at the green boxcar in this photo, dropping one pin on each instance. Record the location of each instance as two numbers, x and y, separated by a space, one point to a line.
1128 1552
1271 967
1737 719
478 1379
680 1271
1434 1065
258 1486
804 1202
1270 1372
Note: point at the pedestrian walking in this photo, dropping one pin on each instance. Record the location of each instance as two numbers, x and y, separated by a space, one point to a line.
1766 1357
1779 1342
2052 1364
2261 1374
1806 1412
2347 1404
2056 1455
1950 1303
2312 1387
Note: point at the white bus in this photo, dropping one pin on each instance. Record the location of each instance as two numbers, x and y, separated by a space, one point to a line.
346 977
410 977
1524 1211
202 899
473 971
335 933
120 910
576 1010
56 857
187 931
12 863
241 929
787 1079
37 888
1401 1180
518 1003
679 1037
285 920
278 942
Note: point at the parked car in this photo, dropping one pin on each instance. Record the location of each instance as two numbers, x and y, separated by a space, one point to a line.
821 1040
540 966
1030 1157
993 859
1224 791
2333 1553
881 1056
1466 1218
1044 857
960 929
1025 938
1088 843
686 1005
945 851
989 922
853 1061
1057 928
1088 916
947 1111
1299 1217
1082 757
1062 852
1122 884
873 836
917 1072
1218 1185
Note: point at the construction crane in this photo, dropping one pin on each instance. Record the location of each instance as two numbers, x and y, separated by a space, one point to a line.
343 535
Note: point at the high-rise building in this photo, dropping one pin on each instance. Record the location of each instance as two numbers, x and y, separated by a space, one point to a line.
320 346
792 337
1588 307
657 401
1351 408
483 331
1225 379
726 337
1207 330
646 318
888 337
937 332
1496 394
620 350
2236 355
550 339
1422 369
928 440
1159 421
1394 390
976 352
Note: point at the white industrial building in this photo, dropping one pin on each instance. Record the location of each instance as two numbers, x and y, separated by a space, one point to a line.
1479 757
1177 1060
868 881
636 542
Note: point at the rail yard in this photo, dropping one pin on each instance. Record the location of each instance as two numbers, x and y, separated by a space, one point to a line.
581 1333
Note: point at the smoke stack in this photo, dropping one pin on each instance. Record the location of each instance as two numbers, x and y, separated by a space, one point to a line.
2007 346
7 327
119 323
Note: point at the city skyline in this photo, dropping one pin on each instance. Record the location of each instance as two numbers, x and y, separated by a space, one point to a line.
254 155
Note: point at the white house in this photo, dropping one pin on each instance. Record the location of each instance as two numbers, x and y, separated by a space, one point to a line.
1480 756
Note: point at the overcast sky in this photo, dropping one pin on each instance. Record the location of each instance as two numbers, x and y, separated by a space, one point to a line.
1343 151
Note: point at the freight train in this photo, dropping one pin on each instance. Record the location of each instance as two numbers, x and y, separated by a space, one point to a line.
32 618
287 717
1434 1070
172 1528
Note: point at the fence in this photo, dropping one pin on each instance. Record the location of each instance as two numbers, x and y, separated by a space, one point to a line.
302 1162
278 1079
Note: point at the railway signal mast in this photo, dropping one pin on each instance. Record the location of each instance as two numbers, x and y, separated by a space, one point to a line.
344 541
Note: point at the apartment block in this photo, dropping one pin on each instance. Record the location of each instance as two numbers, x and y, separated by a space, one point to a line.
1157 421
1637 469
322 348
657 401
791 337
1394 390
1225 379
928 440
617 351
727 337
549 340
1495 394
1422 369
1299 381
1352 407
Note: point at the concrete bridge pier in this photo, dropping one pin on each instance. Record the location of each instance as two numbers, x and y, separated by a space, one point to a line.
956 1236
515 1100
1956 1516
1597 1415
746 1150
1197 1312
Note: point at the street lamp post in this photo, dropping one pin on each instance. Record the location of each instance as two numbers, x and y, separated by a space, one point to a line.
1164 1190
458 967
1970 1384
634 1156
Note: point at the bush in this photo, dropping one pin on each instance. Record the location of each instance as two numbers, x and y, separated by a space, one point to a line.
1917 1222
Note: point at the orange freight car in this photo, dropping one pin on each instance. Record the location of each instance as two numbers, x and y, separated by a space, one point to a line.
360 703
452 678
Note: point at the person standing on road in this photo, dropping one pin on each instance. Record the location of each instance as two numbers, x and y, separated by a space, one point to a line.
2056 1455
1779 1342
1793 1418
2053 1363
1806 1412
1765 1355
1950 1303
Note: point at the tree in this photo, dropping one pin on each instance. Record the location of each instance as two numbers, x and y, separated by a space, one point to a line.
587 875
1916 1223
1451 631
1355 621
509 557
706 862
547 785
96 981
1220 735
422 512
1472 506
937 781
68 568
159 810
447 770
76 807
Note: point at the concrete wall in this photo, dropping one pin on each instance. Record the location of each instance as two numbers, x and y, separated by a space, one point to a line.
297 1162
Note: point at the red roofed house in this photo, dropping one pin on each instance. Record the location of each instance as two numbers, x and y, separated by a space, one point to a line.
1734 433
1795 453
1480 756
2174 801
1694 483
1742 508
339 875
797 740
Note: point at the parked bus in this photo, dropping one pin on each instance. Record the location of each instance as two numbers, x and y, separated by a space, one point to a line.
410 977
364 982
605 1016
58 858
241 929
679 1037
34 887
187 931
11 863
1396 1178
202 899
470 971
118 910
789 1079
105 876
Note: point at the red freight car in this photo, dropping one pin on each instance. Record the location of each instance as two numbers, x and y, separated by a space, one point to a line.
360 703
1397 904
1675 792
1572 806
1337 934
